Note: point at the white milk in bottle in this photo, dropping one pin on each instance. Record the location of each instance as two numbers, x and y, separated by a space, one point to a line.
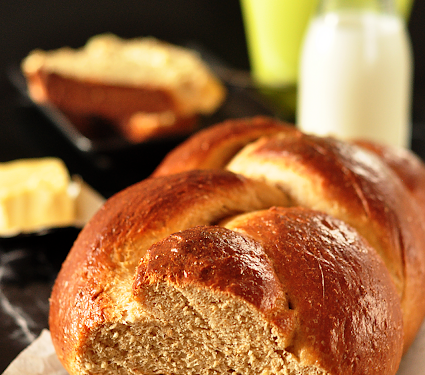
355 77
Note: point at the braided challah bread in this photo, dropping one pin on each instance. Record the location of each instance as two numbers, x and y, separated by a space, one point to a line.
379 190
304 257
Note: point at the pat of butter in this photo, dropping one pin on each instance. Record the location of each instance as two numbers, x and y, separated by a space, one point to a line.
35 194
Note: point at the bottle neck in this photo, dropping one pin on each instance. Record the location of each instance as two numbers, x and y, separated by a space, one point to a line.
380 6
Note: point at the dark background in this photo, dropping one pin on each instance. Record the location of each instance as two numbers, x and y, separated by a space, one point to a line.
47 24
217 24
28 265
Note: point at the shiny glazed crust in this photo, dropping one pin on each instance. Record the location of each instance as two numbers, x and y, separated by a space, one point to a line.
279 262
212 148
405 164
377 189
111 245
209 271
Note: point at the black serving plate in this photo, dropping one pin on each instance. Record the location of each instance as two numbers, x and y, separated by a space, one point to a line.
104 139
110 154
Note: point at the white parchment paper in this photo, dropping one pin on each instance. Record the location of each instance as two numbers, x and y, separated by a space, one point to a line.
37 359
413 362
40 358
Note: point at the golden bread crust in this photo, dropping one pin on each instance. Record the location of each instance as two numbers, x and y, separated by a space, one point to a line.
207 270
369 190
111 245
213 147
281 262
409 167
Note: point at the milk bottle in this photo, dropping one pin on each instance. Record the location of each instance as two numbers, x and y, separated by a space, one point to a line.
356 73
